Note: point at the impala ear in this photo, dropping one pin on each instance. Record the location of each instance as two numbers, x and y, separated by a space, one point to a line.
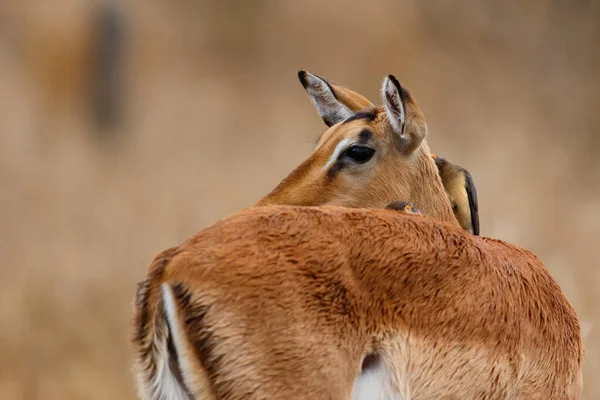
462 193
403 114
333 102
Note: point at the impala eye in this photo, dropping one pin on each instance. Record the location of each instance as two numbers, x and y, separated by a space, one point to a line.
360 154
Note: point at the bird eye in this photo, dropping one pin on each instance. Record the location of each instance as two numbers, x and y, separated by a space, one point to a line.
360 154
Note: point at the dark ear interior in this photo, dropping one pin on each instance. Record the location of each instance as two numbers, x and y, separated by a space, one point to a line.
324 98
462 193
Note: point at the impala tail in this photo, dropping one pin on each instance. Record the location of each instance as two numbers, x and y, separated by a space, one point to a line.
165 363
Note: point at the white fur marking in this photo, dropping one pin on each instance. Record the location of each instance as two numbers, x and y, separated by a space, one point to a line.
341 146
393 105
324 100
374 384
165 384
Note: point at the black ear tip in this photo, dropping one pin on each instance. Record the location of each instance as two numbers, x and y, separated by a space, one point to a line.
394 81
302 77
404 94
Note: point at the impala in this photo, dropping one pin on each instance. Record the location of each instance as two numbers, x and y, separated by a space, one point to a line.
329 302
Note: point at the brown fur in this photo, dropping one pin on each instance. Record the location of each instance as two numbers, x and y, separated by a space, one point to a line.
284 302
394 173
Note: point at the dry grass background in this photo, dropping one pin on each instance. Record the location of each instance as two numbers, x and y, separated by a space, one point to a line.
214 117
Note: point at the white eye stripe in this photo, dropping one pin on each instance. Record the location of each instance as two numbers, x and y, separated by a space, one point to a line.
339 149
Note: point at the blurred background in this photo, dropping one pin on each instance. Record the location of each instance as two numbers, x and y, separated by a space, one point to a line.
126 126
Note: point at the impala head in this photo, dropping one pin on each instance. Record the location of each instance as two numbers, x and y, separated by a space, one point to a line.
370 156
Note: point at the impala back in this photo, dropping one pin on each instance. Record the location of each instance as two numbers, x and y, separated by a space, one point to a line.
326 302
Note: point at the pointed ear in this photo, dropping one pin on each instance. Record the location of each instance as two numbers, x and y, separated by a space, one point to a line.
404 116
333 102
462 193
